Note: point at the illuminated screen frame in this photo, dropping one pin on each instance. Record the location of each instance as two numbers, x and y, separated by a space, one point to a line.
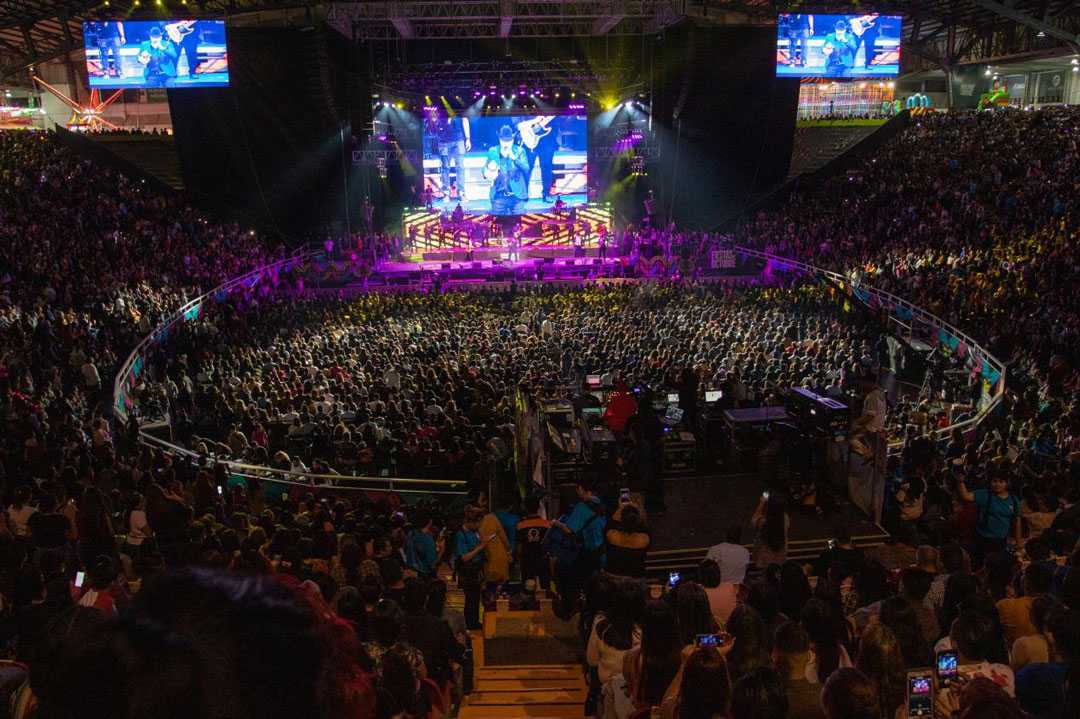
535 136
814 45
123 54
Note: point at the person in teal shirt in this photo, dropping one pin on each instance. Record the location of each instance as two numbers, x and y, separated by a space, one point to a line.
420 553
587 520
469 563
997 517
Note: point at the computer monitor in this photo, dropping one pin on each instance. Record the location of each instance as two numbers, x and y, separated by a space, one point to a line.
592 380
673 398
714 395
591 411
673 416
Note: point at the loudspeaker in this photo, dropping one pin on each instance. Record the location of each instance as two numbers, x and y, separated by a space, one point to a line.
569 263
446 265
549 260
597 261
477 265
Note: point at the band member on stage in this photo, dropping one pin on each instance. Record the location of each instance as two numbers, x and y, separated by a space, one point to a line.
797 28
839 48
158 55
108 39
538 138
459 214
507 168
601 242
455 139
560 206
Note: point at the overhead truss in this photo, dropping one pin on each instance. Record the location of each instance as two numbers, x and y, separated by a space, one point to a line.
477 19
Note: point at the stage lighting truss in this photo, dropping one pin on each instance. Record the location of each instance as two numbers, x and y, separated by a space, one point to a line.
481 19
465 83
383 158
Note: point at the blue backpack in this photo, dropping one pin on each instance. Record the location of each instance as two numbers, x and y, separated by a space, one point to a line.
567 549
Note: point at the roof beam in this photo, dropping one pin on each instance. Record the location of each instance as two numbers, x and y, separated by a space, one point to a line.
1025 19
396 13
613 15
506 17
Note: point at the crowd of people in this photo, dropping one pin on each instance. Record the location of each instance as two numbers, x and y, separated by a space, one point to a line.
845 641
424 385
127 573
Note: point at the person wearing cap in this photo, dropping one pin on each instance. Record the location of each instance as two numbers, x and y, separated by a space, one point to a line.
507 168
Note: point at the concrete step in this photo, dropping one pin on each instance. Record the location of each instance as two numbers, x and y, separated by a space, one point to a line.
527 696
523 711
515 684
561 672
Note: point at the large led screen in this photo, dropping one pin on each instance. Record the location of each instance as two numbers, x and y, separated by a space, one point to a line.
505 164
156 53
813 45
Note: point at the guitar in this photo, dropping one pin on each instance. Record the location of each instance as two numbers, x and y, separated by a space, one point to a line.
861 24
531 131
179 30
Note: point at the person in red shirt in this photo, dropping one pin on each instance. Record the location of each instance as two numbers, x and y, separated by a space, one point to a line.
621 407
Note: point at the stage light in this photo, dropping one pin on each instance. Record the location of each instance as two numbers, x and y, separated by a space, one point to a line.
988 72
375 95
573 94
401 106
1074 61
891 85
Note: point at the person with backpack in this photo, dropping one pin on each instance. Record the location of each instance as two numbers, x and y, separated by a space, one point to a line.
577 546
997 517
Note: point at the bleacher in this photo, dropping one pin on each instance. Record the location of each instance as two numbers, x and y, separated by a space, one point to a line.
815 146
153 154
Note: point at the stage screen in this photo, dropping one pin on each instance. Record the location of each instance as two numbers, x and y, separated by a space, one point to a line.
156 53
505 164
813 45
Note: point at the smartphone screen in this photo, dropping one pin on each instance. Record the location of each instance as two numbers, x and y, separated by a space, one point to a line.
765 495
80 577
673 579
709 640
220 491
624 495
920 695
948 667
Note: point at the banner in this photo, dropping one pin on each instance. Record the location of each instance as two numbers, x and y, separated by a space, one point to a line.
722 259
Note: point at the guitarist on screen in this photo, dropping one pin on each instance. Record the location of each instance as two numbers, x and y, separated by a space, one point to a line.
187 35
539 141
507 167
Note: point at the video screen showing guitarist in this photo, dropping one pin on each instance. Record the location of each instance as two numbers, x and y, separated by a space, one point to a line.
538 137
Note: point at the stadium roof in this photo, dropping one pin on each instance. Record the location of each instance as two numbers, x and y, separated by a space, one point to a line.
942 31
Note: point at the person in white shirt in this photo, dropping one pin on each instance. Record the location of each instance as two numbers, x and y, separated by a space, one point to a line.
91 378
19 513
731 556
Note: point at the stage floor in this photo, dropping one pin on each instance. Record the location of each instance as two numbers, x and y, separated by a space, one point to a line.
482 206
700 509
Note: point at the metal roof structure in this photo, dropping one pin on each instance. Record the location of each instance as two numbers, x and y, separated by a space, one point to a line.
942 32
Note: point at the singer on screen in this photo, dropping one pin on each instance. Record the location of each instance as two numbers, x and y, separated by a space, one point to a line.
507 168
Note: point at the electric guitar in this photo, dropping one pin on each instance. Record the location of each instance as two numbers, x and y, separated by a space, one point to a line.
861 24
531 131
179 30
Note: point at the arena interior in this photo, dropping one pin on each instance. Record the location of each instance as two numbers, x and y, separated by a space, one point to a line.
620 359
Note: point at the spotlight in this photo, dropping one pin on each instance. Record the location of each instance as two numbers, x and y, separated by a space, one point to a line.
988 72
1041 33
1074 61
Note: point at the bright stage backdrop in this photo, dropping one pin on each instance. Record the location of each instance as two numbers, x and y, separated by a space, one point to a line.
816 45
505 164
156 53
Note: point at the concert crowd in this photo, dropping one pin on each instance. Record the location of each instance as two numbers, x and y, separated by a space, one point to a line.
137 582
